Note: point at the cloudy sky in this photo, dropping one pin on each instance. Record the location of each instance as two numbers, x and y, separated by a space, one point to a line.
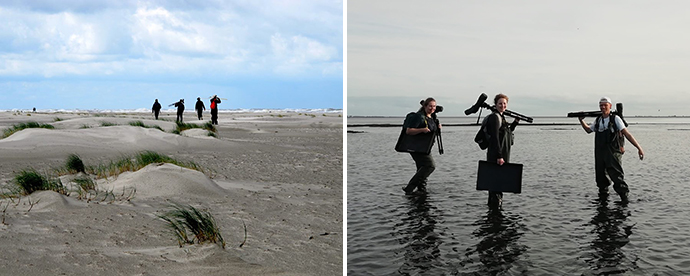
113 54
549 57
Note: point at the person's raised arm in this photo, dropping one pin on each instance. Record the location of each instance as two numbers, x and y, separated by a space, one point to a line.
584 125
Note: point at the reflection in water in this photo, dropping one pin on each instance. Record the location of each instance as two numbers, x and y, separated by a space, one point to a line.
499 246
606 256
418 237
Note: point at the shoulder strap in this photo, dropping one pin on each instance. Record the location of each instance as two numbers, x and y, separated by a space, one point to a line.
612 122
498 118
423 116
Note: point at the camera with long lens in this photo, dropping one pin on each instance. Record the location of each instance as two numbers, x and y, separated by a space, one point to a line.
439 109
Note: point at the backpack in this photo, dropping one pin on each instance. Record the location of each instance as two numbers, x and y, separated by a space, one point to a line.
482 137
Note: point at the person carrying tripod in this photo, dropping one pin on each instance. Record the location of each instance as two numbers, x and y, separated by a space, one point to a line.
180 110
422 124
214 109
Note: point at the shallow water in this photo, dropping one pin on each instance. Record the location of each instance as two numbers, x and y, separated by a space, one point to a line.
556 226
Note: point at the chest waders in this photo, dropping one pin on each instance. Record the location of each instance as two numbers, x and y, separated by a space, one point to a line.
505 140
423 161
608 152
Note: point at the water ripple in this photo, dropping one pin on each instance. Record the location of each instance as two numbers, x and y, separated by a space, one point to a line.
557 226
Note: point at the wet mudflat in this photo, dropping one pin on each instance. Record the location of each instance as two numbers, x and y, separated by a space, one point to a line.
557 226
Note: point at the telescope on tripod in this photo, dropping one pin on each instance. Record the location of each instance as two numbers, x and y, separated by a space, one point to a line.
481 103
618 112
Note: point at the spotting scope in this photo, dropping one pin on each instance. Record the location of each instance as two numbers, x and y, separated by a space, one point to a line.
618 112
481 103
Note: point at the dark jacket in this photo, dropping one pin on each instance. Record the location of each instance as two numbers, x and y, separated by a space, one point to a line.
500 137
156 107
200 105
180 107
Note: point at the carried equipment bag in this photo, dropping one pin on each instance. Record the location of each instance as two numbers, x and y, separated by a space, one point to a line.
482 137
421 143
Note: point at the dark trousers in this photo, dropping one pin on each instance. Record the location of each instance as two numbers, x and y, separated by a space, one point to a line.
608 162
179 117
496 198
425 166
199 115
155 113
214 116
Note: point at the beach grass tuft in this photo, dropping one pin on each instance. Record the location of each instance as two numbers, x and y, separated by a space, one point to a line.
107 124
139 161
141 124
75 164
180 127
209 126
185 219
150 157
85 183
30 181
14 128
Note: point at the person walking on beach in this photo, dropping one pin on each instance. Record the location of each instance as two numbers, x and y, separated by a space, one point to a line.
199 108
156 109
609 131
214 109
500 141
422 123
180 110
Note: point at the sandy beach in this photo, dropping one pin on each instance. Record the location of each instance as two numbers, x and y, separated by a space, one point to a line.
280 174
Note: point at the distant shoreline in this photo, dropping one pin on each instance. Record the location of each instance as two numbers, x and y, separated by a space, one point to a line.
558 117
148 110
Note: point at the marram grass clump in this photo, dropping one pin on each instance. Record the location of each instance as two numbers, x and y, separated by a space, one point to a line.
74 164
139 161
141 124
180 127
14 128
190 225
30 181
85 183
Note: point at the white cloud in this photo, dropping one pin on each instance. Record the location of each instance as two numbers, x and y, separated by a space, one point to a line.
77 38
299 53
159 30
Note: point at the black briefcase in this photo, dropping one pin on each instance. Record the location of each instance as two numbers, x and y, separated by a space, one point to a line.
499 178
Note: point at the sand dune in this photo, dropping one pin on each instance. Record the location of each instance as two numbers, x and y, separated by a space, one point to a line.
49 201
281 177
164 180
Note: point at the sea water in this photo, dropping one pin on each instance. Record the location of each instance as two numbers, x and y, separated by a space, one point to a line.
557 226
